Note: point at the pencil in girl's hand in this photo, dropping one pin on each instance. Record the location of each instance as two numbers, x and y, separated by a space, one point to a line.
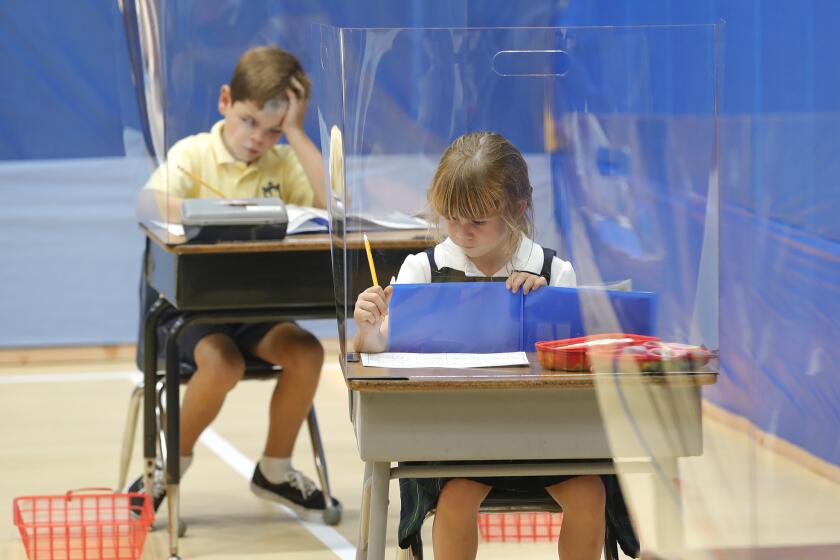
202 182
370 261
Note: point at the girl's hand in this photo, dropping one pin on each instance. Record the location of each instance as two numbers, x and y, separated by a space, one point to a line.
528 281
372 307
293 121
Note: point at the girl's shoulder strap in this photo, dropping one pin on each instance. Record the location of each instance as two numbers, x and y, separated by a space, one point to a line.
548 260
430 253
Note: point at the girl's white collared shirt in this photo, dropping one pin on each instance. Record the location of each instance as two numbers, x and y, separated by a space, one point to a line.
529 256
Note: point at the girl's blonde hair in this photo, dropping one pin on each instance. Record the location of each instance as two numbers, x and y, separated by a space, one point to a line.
481 174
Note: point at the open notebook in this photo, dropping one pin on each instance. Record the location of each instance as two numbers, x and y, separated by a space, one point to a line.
305 219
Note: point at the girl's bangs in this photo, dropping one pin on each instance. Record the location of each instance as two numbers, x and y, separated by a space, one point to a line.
451 198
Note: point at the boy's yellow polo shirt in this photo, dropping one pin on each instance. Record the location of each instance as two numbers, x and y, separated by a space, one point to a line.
277 173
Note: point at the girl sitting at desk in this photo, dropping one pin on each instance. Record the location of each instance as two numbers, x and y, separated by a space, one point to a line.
482 197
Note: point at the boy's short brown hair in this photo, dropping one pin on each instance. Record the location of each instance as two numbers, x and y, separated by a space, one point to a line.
264 74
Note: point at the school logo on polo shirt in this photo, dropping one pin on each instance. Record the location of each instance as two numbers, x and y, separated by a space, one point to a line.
271 190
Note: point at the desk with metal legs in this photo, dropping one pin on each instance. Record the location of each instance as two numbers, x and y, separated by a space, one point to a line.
239 282
514 413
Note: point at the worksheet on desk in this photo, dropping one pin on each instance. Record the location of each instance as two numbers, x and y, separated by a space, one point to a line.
443 360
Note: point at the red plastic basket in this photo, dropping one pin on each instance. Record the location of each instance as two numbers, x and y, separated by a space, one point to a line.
77 526
519 527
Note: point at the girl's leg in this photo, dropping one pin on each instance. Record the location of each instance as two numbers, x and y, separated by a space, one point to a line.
219 367
455 532
582 533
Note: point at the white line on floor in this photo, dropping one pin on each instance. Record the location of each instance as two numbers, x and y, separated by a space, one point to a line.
331 538
68 377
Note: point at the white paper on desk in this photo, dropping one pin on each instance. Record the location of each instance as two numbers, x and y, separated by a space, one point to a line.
173 229
447 360
305 219
387 221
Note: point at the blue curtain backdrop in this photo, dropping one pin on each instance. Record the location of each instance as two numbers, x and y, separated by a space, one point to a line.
71 162
779 237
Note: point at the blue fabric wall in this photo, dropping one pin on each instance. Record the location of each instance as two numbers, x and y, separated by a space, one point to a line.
60 96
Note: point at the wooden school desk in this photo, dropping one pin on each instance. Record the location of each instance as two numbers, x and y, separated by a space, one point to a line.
524 413
242 282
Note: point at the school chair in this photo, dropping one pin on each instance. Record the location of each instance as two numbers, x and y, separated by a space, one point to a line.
502 501
255 369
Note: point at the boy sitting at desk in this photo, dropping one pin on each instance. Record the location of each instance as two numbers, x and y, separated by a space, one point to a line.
240 158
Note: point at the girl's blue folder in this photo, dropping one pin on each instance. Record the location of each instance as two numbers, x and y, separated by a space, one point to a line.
486 317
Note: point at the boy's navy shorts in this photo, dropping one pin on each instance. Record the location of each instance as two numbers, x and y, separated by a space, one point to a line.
244 335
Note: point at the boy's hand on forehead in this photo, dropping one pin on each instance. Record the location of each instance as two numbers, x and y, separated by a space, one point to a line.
526 280
297 107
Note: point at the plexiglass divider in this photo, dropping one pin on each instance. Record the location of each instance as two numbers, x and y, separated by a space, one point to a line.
621 181
180 71
619 129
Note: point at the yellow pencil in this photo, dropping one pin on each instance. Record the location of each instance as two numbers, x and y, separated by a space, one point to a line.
202 182
370 261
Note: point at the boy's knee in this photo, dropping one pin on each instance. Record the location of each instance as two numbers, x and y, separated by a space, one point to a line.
299 350
219 358
311 349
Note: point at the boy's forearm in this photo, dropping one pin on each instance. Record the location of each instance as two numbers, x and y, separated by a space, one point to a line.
312 162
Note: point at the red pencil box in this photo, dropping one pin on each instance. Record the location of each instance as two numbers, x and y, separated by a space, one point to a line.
631 352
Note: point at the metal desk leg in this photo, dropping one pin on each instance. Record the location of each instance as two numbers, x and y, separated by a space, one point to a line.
332 513
378 510
150 351
173 436
668 504
364 513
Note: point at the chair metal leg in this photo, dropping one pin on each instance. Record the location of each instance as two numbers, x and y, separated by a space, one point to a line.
128 434
174 526
131 429
150 349
332 514
160 417
172 463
